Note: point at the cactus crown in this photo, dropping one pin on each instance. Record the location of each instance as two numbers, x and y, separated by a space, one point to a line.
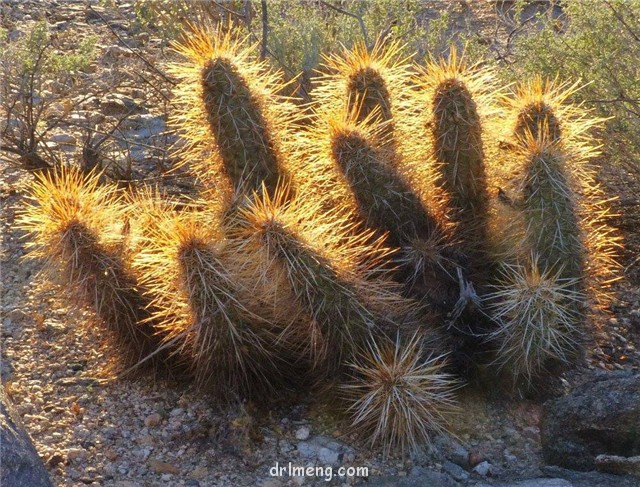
539 103
66 198
363 77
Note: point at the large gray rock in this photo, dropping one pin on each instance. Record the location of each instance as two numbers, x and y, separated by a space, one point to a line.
600 417
590 479
21 465
619 465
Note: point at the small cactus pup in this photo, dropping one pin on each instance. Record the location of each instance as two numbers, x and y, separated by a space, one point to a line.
398 396
456 98
76 225
230 113
334 274
183 264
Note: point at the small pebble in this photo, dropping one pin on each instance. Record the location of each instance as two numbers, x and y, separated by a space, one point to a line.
163 467
76 453
483 468
153 420
303 433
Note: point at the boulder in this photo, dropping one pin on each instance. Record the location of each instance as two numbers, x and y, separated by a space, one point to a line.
21 465
599 417
619 465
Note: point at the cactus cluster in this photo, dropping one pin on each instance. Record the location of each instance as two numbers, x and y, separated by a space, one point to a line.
356 240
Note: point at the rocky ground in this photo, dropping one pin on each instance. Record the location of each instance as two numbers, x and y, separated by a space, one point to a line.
93 428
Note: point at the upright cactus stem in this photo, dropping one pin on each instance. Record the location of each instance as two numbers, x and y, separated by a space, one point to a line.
369 82
458 145
458 150
540 110
367 88
239 127
538 119
558 253
552 226
230 112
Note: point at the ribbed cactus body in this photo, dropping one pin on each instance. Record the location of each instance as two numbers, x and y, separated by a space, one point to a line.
458 148
385 200
541 298
228 354
100 278
367 93
334 274
237 123
552 227
331 301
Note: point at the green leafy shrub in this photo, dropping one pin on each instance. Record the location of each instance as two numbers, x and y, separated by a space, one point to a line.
37 76
597 42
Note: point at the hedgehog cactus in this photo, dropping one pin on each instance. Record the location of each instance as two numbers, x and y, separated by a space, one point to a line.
272 269
541 297
74 227
387 203
229 109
